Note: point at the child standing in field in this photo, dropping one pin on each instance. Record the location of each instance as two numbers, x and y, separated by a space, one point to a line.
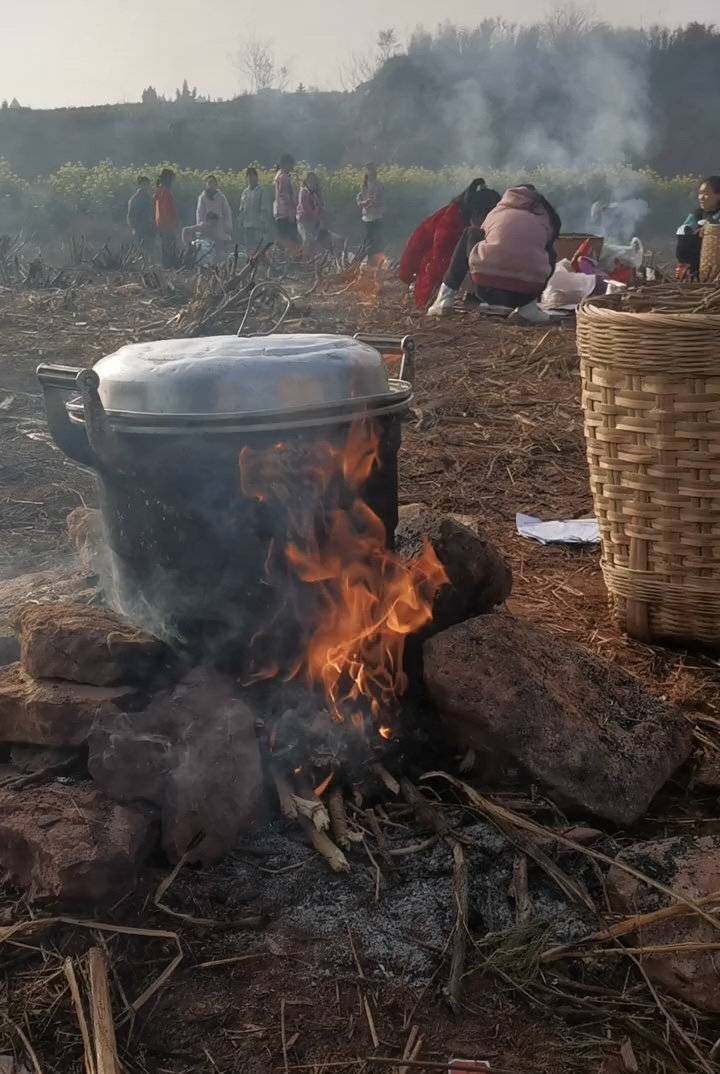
285 202
371 201
166 217
141 215
310 212
252 215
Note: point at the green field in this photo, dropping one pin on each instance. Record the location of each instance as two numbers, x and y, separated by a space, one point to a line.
91 201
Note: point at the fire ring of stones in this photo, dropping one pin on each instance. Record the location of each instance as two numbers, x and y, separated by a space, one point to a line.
121 748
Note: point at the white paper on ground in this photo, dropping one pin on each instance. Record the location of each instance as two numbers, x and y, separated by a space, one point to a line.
573 531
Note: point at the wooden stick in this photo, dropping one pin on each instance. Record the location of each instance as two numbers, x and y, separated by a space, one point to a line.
283 1038
631 924
106 1057
69 970
384 776
497 813
423 809
423 1064
288 807
379 837
656 949
338 818
370 1022
313 810
412 848
519 890
459 940
325 846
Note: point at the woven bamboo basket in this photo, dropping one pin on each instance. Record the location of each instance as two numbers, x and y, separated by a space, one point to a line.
651 400
710 253
566 245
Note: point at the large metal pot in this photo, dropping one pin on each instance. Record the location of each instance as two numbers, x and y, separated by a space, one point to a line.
162 425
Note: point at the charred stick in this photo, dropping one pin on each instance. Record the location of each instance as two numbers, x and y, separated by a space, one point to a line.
288 805
325 846
460 930
338 818
424 810
434 818
379 837
519 890
384 776
412 848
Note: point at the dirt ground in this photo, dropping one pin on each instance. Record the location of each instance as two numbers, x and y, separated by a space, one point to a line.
496 429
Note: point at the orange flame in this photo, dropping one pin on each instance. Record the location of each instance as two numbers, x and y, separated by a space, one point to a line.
368 598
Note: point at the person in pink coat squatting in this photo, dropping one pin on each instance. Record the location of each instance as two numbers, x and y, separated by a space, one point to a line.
213 218
510 258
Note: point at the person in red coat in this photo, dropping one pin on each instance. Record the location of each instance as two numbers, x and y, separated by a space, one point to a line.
428 251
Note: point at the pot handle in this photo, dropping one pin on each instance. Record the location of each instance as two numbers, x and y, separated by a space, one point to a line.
392 345
71 438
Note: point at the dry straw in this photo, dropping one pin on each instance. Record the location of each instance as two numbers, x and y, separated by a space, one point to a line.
651 398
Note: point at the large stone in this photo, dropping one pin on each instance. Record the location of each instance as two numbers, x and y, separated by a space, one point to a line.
87 644
49 712
69 842
690 867
479 577
193 753
31 759
61 584
585 730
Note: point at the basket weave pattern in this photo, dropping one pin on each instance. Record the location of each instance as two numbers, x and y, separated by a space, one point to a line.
710 253
651 400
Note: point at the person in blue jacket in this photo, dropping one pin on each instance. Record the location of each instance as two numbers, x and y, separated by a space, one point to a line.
689 234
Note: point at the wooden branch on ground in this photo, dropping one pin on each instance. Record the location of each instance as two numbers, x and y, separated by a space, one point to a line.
106 1057
460 929
325 846
338 818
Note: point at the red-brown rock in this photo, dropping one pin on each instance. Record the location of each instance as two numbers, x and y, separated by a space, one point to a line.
39 758
61 584
49 712
86 644
193 753
585 730
691 867
69 842
479 577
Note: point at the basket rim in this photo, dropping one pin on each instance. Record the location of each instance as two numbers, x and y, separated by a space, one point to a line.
598 310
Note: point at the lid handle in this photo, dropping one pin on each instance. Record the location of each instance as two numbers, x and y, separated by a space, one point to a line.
392 345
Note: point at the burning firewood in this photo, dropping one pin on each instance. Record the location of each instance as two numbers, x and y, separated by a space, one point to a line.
325 846
338 818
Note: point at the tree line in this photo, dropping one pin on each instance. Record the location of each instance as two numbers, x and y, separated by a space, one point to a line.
569 91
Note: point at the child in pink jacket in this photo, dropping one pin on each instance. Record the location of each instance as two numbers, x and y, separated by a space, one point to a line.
310 211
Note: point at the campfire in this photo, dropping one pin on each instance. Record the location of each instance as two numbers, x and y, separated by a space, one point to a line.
279 675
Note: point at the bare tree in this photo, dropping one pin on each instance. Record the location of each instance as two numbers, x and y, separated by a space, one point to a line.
257 62
362 66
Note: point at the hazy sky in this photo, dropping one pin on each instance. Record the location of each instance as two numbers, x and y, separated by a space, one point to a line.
74 52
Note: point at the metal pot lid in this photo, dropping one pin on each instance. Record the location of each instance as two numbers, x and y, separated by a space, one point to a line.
232 375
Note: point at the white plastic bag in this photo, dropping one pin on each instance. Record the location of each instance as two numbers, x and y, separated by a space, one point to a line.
566 289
